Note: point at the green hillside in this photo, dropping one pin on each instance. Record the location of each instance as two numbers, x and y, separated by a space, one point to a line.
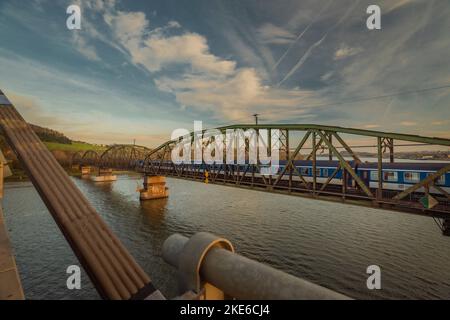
74 146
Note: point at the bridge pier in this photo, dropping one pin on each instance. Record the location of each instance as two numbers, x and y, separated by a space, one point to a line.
85 170
154 188
104 175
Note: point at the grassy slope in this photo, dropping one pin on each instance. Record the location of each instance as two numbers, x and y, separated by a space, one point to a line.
74 147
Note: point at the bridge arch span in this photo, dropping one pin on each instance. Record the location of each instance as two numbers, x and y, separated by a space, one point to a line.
119 156
90 158
124 156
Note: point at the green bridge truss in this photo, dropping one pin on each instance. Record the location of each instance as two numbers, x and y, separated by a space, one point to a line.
300 141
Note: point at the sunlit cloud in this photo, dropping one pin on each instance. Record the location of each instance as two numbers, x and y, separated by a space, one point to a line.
371 126
408 123
345 51
271 34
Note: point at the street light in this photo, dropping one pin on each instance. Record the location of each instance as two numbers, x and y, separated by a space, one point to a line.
256 117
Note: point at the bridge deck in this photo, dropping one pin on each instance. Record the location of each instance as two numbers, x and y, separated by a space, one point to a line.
352 195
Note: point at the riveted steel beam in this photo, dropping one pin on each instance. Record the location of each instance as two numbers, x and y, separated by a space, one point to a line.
353 131
346 166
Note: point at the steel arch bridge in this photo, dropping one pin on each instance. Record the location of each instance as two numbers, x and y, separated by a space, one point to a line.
119 156
309 142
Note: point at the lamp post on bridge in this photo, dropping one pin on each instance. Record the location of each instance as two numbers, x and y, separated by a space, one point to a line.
256 117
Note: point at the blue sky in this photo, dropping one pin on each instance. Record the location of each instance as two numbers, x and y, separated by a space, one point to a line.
140 69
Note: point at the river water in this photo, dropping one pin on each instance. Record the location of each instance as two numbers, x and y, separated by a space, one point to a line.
330 244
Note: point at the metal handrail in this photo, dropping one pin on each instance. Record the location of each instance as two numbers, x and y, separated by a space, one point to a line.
237 276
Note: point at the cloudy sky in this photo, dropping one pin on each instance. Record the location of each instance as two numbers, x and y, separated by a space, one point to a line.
140 69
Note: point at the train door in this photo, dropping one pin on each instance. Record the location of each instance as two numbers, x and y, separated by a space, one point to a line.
350 181
365 177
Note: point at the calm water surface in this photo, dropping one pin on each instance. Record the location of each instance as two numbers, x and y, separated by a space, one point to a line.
330 244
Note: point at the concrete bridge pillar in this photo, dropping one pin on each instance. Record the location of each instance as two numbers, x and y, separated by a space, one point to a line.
154 188
85 170
104 175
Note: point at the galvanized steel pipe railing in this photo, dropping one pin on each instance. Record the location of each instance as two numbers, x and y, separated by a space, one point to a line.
112 269
208 260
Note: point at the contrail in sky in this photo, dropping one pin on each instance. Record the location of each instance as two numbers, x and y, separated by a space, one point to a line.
315 45
302 59
300 36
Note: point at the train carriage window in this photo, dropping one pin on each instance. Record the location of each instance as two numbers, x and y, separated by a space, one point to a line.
390 176
440 181
374 175
325 172
305 171
317 172
411 176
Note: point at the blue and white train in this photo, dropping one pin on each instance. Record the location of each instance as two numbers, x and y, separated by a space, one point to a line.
396 176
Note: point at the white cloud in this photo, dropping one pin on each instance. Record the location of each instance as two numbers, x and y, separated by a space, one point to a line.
393 5
96 5
440 122
238 96
327 76
271 34
205 82
85 38
156 51
371 126
408 123
345 51
83 48
173 24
